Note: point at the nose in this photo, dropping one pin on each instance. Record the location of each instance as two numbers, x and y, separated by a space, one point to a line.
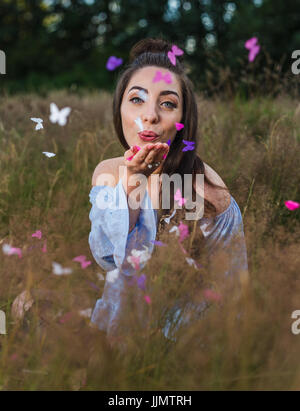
150 114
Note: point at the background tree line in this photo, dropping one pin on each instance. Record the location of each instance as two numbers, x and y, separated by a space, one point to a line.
66 43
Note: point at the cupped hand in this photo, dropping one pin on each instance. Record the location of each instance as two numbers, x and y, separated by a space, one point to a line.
139 160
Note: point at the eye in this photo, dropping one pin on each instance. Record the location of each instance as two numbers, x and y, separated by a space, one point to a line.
165 102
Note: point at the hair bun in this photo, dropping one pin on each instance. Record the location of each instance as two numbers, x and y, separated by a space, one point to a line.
157 45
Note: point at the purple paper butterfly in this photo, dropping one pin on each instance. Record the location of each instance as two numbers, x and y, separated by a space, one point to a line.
113 62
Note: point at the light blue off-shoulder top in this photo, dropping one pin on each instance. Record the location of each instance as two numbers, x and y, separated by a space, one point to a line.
111 244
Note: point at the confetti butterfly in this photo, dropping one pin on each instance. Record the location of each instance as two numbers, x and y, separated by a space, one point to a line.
59 116
167 219
177 197
113 62
190 145
135 149
85 313
134 261
191 261
291 205
184 231
139 256
112 275
147 299
39 122
159 76
37 234
142 95
176 51
82 260
254 48
138 121
8 250
48 154
179 126
176 229
169 143
57 269
139 281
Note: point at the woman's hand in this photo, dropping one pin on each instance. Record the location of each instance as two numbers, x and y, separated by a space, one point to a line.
151 153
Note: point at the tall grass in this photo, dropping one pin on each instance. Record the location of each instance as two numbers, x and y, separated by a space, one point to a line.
243 343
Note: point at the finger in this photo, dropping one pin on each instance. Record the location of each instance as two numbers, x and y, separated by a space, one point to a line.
156 154
143 153
129 154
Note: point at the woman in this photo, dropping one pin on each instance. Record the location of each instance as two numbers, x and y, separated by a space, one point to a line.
152 95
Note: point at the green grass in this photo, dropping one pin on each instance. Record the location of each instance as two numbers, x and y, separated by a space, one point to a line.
244 344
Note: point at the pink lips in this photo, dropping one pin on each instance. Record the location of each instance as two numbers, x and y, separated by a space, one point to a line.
148 136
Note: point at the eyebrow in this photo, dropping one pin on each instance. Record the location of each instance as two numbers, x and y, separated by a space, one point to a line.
162 93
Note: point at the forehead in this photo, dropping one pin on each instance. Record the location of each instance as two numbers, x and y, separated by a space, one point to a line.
143 78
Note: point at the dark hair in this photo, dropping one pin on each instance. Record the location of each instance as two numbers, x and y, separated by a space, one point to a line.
154 52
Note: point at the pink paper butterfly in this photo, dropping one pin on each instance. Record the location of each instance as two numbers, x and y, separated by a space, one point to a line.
178 198
136 262
184 231
7 249
147 299
175 52
159 76
291 205
37 234
82 259
179 126
254 48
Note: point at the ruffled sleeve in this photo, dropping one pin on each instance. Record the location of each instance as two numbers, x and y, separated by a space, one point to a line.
109 240
226 232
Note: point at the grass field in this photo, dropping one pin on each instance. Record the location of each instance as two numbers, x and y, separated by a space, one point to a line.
245 343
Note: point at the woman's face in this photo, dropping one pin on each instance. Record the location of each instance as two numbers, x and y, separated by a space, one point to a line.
143 102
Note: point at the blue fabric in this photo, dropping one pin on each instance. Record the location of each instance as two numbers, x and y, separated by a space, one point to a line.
110 245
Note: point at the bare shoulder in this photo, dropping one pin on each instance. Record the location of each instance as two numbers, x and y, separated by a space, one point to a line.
106 172
220 198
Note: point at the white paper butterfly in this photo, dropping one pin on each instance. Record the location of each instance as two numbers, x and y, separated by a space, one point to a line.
59 270
111 276
86 313
143 95
176 229
6 249
167 219
39 122
49 154
138 121
59 116
190 261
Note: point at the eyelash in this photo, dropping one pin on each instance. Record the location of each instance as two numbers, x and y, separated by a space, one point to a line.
172 104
